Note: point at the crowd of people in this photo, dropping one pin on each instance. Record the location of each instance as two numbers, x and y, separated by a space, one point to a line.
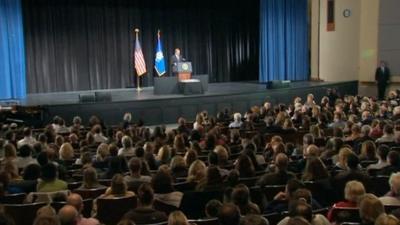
344 142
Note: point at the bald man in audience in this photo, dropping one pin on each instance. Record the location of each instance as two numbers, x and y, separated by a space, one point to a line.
280 176
68 215
393 196
76 201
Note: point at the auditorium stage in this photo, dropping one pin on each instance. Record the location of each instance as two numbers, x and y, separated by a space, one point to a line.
165 109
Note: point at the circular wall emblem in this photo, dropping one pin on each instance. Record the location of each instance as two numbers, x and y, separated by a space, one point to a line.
185 66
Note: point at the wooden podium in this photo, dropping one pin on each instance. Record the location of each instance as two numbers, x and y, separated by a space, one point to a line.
184 70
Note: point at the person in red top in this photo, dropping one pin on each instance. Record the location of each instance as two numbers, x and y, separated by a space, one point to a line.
353 191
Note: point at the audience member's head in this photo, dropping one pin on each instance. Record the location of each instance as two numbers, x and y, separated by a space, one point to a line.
385 219
353 161
90 178
68 215
145 194
25 151
300 208
190 157
212 208
291 186
213 176
252 219
31 172
126 142
76 201
222 154
368 150
49 172
240 196
10 151
118 185
370 208
308 139
353 191
281 162
394 182
315 170
46 211
245 166
197 171
177 163
393 158
177 218
162 182
47 220
66 152
302 193
383 151
135 166
298 220
229 214
365 130
126 222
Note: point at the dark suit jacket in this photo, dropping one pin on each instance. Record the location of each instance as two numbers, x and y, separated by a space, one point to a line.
382 77
388 170
340 180
145 216
278 178
175 61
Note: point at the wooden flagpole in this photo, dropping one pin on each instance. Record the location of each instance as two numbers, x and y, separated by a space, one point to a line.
138 77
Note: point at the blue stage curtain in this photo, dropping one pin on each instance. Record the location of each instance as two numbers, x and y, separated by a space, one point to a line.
12 53
284 40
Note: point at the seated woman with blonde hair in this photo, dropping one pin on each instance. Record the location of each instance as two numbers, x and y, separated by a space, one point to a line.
90 179
197 172
353 191
177 218
118 188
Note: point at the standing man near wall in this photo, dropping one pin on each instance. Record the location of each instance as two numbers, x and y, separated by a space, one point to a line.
382 75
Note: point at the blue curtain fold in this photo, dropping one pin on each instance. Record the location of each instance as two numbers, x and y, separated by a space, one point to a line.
12 52
284 40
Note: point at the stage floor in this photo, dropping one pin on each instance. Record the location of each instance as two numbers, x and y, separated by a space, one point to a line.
131 94
166 109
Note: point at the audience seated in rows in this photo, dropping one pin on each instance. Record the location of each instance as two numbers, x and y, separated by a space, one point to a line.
322 152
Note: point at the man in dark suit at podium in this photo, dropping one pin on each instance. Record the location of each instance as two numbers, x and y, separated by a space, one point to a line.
175 59
382 75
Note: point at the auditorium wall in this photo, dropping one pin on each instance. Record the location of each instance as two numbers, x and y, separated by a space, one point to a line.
389 34
354 49
339 49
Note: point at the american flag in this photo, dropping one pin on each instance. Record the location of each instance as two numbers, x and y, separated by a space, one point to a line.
140 64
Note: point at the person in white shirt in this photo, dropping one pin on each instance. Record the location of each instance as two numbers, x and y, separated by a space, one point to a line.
76 123
62 129
25 157
98 135
199 121
127 149
388 134
135 168
237 121
28 139
383 151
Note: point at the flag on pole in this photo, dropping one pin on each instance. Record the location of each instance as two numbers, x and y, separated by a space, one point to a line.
159 63
140 64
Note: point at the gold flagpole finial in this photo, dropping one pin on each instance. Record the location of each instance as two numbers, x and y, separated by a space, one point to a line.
137 30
